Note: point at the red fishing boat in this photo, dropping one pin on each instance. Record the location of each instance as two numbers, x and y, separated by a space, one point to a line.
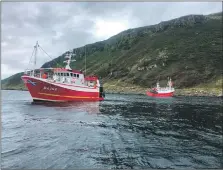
162 92
62 84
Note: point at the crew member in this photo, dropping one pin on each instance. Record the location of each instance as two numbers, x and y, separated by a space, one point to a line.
95 85
44 76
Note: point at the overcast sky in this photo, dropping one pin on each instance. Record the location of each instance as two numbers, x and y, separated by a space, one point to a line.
61 26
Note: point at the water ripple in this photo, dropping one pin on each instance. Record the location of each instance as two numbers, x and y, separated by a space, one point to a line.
124 131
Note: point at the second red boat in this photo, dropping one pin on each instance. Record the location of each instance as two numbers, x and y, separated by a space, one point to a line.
162 91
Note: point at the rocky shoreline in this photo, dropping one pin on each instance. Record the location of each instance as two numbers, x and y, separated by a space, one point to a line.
197 93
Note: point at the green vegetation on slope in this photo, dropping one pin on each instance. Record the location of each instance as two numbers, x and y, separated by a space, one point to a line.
13 82
187 49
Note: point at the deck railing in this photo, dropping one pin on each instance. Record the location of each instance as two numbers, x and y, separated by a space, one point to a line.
50 72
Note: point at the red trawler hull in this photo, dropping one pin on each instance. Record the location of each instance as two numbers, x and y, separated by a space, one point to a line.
170 94
48 91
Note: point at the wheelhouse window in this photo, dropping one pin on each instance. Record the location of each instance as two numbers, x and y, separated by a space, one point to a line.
71 74
77 75
68 74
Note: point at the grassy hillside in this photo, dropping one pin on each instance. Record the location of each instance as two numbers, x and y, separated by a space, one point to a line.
188 49
13 82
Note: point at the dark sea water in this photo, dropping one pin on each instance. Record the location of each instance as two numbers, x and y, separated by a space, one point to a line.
124 131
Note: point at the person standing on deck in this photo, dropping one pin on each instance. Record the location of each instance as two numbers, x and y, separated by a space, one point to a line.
44 76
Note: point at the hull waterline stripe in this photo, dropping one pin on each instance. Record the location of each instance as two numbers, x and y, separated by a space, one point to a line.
47 94
48 100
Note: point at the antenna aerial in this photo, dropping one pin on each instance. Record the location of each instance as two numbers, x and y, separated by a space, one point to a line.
68 61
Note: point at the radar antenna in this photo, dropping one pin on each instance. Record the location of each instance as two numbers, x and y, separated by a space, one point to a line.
68 61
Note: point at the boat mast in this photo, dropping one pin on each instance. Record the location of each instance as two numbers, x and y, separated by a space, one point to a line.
157 85
171 84
35 54
168 82
36 46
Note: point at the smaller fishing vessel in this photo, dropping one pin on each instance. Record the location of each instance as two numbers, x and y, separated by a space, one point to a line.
162 91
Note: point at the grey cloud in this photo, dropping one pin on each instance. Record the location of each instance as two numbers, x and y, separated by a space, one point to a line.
17 12
75 39
98 8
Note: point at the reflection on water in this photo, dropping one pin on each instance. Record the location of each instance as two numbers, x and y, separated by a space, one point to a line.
124 131
89 107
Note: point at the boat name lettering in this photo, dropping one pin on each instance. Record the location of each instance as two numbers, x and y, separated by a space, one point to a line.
50 88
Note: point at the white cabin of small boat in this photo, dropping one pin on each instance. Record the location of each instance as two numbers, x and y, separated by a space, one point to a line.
168 88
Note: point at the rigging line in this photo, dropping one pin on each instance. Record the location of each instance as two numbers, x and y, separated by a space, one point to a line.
31 56
49 56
